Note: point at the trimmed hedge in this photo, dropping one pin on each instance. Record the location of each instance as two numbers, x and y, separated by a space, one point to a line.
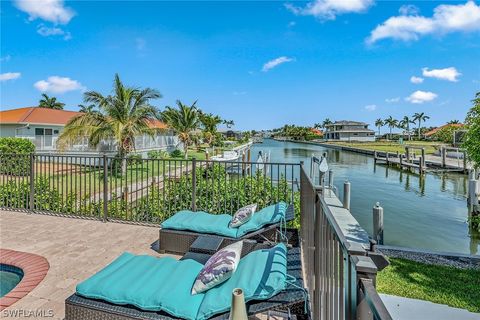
10 161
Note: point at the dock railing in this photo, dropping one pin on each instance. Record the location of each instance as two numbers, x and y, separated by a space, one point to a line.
339 272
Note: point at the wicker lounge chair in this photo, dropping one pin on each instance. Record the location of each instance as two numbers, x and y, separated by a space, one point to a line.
179 241
292 299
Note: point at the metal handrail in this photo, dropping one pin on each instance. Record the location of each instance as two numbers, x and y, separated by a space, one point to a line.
377 307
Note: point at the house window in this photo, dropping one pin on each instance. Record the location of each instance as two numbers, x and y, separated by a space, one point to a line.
355 134
39 131
48 132
55 131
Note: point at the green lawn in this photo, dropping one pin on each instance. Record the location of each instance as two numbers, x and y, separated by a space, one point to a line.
391 146
458 288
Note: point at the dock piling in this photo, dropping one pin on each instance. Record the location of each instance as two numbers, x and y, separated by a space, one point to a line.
378 223
346 195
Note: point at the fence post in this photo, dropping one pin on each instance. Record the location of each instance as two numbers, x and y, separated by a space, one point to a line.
378 223
465 161
346 195
194 184
32 182
105 188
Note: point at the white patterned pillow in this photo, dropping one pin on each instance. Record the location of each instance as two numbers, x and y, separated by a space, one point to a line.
218 268
242 215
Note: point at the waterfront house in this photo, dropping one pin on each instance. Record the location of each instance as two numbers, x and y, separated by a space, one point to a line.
348 131
43 126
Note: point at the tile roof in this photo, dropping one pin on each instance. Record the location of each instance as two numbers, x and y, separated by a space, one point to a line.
36 115
433 131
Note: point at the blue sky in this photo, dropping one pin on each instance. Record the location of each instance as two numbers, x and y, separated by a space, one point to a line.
262 64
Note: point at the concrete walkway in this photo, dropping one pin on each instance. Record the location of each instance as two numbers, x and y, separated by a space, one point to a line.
411 309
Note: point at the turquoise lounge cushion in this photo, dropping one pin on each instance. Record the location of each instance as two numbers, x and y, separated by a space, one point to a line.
261 274
203 222
164 284
148 283
266 216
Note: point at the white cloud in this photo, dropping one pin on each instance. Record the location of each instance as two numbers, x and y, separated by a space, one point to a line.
445 19
329 9
9 76
54 31
5 58
371 107
449 74
409 9
392 100
48 10
416 80
57 84
420 97
291 24
275 63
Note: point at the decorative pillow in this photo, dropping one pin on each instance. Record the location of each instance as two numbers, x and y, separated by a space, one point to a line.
243 215
218 268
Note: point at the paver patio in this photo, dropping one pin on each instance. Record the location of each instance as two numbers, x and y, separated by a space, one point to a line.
75 249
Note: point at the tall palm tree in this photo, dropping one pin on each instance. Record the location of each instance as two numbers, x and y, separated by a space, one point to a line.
326 122
391 123
209 124
228 123
453 122
121 116
379 124
184 121
86 108
50 102
317 126
419 117
405 124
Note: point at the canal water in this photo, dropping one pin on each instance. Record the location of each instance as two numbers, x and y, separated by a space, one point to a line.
428 213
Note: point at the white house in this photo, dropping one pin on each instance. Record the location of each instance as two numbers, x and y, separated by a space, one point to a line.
43 126
348 131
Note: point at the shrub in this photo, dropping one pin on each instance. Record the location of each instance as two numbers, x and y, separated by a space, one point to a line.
158 154
472 137
14 156
176 154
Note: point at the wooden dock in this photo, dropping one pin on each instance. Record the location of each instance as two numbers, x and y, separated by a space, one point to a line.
423 163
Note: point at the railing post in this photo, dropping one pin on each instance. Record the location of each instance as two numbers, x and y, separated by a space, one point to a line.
444 157
194 184
105 188
378 223
32 183
330 178
346 195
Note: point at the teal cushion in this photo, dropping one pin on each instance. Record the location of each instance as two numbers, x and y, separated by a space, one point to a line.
268 215
148 283
261 275
201 222
164 284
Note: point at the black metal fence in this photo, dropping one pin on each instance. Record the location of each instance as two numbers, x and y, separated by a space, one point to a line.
140 190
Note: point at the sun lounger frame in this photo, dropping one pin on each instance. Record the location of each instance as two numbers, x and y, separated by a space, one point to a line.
292 300
179 241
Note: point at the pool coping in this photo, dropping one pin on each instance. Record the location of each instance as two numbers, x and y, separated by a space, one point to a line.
34 268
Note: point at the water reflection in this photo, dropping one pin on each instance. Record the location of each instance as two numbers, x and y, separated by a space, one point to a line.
427 211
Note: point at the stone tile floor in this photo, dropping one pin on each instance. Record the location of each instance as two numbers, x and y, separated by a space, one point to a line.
75 249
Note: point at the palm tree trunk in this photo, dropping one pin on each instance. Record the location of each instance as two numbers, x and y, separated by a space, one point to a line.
419 125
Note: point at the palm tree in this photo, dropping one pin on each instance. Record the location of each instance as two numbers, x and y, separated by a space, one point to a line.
121 117
453 122
86 108
391 123
209 123
379 124
50 102
420 116
405 124
326 122
317 126
184 121
228 123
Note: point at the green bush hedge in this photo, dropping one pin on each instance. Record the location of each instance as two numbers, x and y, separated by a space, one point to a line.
14 156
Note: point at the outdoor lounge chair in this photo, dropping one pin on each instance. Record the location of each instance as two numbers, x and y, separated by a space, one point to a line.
179 231
291 299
